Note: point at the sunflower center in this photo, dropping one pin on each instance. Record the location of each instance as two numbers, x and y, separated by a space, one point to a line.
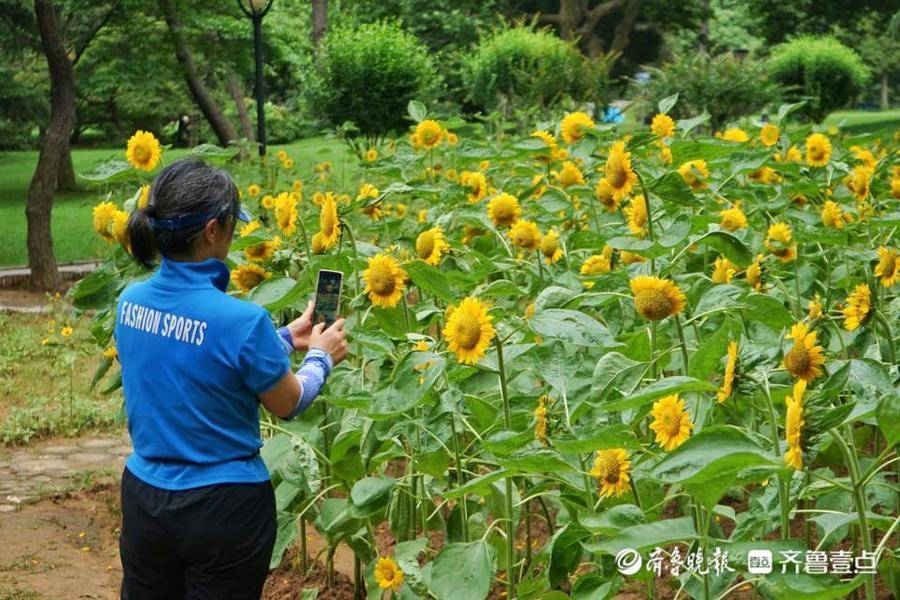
141 153
653 304
468 333
617 176
382 282
425 245
890 266
816 152
797 360
611 470
671 424
327 224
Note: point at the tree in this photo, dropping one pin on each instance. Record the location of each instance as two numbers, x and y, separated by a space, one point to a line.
577 20
319 20
44 273
878 44
201 94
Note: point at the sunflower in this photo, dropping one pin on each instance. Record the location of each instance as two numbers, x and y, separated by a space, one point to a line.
371 155
329 225
733 218
859 180
375 212
793 426
111 352
636 211
735 134
793 155
250 228
598 263
268 202
144 198
778 242
103 214
452 138
388 575
832 215
805 358
469 330
429 134
764 175
282 155
612 468
662 126
550 247
540 420
665 153
66 331
604 193
754 273
297 186
525 234
385 280
723 270
367 190
887 267
619 174
315 243
430 245
865 156
818 150
569 175
815 308
504 209
548 139
769 134
694 172
656 298
730 367
120 228
263 250
573 126
247 277
671 422
857 307
286 213
143 151
253 190
476 182
288 163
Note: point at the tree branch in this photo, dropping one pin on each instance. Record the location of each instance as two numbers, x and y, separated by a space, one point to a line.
92 33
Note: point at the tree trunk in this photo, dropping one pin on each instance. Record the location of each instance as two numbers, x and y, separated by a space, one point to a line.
319 20
237 93
65 175
622 36
44 274
704 26
885 87
205 101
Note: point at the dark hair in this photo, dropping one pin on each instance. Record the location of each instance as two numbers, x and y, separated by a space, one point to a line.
184 188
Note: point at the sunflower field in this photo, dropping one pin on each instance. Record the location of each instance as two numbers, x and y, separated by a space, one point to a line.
583 363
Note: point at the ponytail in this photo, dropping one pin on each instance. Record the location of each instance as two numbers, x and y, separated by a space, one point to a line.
143 240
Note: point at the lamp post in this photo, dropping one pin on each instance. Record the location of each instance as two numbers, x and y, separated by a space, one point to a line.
256 10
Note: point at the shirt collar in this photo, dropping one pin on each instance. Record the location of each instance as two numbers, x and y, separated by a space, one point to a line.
211 271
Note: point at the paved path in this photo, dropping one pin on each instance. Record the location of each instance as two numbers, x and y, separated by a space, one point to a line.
27 472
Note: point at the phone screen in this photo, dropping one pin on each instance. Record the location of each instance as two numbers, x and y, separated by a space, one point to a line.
328 296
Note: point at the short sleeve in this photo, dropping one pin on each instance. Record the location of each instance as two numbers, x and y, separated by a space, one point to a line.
262 360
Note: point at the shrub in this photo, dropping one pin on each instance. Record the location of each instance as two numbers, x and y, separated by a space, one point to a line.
724 86
823 71
520 68
368 75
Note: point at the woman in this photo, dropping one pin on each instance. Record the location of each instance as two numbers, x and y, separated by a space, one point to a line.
198 510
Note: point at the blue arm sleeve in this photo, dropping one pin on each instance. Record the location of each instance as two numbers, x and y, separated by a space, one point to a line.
312 375
287 341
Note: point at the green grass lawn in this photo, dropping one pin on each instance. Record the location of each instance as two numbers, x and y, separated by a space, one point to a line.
73 238
865 121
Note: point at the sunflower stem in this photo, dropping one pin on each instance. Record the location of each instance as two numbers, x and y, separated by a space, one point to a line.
460 477
540 268
858 500
684 352
649 217
783 491
651 333
510 526
305 241
889 338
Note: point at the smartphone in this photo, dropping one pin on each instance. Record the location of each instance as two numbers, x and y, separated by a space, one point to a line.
328 296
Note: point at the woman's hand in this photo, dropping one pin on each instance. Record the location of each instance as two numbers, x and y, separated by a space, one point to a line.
301 328
332 340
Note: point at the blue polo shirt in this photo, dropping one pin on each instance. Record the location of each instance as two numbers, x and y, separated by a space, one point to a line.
193 361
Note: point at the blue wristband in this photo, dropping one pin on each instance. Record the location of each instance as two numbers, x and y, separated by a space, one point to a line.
287 341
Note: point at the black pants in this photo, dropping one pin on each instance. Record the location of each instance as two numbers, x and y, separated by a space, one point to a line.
212 542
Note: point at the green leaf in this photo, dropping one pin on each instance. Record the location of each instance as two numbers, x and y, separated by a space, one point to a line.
277 293
727 244
566 552
102 369
685 150
213 153
685 125
800 586
888 415
766 310
707 464
109 171
615 370
672 188
594 438
666 104
786 109
371 489
285 533
540 460
613 520
708 357
646 535
463 571
664 387
596 586
416 110
481 485
429 279
571 326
